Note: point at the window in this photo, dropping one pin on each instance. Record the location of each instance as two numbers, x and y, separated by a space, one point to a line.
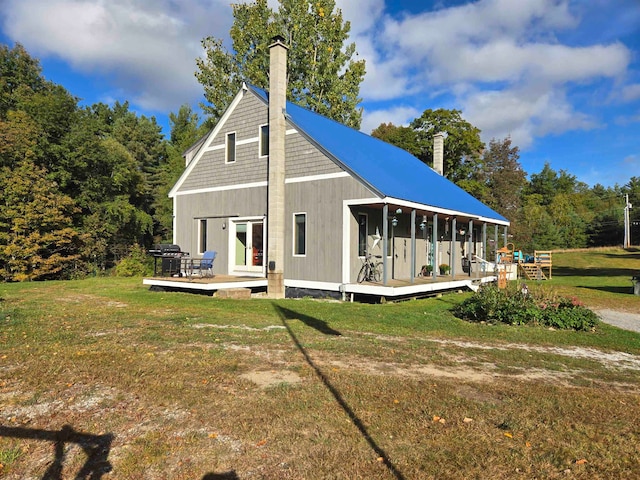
231 147
202 239
299 233
362 234
264 140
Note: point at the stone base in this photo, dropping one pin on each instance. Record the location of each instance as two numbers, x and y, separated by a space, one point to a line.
237 293
275 285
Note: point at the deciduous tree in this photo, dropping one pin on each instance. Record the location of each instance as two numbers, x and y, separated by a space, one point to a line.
323 74
37 237
462 146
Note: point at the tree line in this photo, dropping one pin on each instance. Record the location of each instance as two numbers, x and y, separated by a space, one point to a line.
80 184
548 210
83 186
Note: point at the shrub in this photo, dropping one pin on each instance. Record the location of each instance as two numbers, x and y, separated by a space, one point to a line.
517 305
136 264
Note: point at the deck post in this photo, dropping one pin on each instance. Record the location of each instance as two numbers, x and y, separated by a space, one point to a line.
434 272
454 238
413 245
470 246
385 241
484 241
495 242
505 236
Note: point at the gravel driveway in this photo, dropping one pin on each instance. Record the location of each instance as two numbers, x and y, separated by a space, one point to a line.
626 320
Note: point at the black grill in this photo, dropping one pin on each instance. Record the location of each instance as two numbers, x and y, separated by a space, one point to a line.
171 259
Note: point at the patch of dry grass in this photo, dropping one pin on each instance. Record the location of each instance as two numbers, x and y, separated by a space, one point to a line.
131 384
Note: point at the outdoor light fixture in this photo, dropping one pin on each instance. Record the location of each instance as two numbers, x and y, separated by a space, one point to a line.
399 211
224 225
462 231
423 225
394 221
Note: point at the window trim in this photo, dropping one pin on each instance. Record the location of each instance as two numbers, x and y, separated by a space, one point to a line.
294 237
202 235
227 149
260 140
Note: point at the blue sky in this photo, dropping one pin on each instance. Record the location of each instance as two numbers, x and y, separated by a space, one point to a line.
561 77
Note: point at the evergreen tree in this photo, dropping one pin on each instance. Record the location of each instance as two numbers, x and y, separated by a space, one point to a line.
504 178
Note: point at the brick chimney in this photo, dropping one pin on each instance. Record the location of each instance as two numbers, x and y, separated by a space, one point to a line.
438 153
276 203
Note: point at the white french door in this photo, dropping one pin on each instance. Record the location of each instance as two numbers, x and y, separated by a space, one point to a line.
246 245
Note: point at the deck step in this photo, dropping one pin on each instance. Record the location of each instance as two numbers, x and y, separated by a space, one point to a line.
236 293
532 271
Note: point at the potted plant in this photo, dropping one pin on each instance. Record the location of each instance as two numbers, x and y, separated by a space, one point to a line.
444 268
426 270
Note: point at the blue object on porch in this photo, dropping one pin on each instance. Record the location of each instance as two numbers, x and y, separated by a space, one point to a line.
204 266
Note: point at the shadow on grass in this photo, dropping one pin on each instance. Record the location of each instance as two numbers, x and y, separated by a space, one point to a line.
624 290
95 447
286 314
315 323
594 272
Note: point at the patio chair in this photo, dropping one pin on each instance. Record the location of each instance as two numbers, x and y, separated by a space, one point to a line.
204 266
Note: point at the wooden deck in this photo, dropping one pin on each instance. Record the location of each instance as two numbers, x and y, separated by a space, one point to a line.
394 289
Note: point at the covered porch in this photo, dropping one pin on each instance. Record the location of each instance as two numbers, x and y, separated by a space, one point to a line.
413 241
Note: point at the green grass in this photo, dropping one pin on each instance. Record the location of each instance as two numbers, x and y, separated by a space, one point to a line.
374 391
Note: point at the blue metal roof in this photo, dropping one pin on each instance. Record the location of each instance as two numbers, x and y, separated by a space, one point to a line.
387 169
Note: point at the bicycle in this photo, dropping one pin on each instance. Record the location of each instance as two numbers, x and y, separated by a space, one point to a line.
370 271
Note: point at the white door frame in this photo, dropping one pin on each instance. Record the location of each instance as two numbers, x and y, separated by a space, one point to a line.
249 269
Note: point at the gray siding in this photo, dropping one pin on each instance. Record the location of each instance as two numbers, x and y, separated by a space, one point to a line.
322 201
304 159
211 169
218 208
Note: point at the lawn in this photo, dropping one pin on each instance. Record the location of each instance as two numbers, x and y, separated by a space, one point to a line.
103 377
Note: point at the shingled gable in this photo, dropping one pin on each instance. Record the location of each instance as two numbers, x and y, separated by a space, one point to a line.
388 170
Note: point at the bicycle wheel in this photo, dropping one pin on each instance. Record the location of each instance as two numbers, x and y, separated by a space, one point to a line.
376 273
364 273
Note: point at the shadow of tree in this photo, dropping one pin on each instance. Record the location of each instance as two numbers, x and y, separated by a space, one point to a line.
95 447
286 314
623 290
221 476
315 323
594 272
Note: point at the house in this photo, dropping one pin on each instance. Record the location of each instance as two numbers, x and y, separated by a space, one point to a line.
288 196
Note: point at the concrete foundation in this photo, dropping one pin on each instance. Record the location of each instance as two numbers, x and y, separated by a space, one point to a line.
275 285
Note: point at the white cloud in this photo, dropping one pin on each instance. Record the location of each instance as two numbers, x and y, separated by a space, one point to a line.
630 92
523 114
146 48
399 116
362 14
503 65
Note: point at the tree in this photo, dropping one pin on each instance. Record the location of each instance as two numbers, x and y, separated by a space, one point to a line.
185 131
17 70
37 238
403 137
462 145
322 73
549 183
504 178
